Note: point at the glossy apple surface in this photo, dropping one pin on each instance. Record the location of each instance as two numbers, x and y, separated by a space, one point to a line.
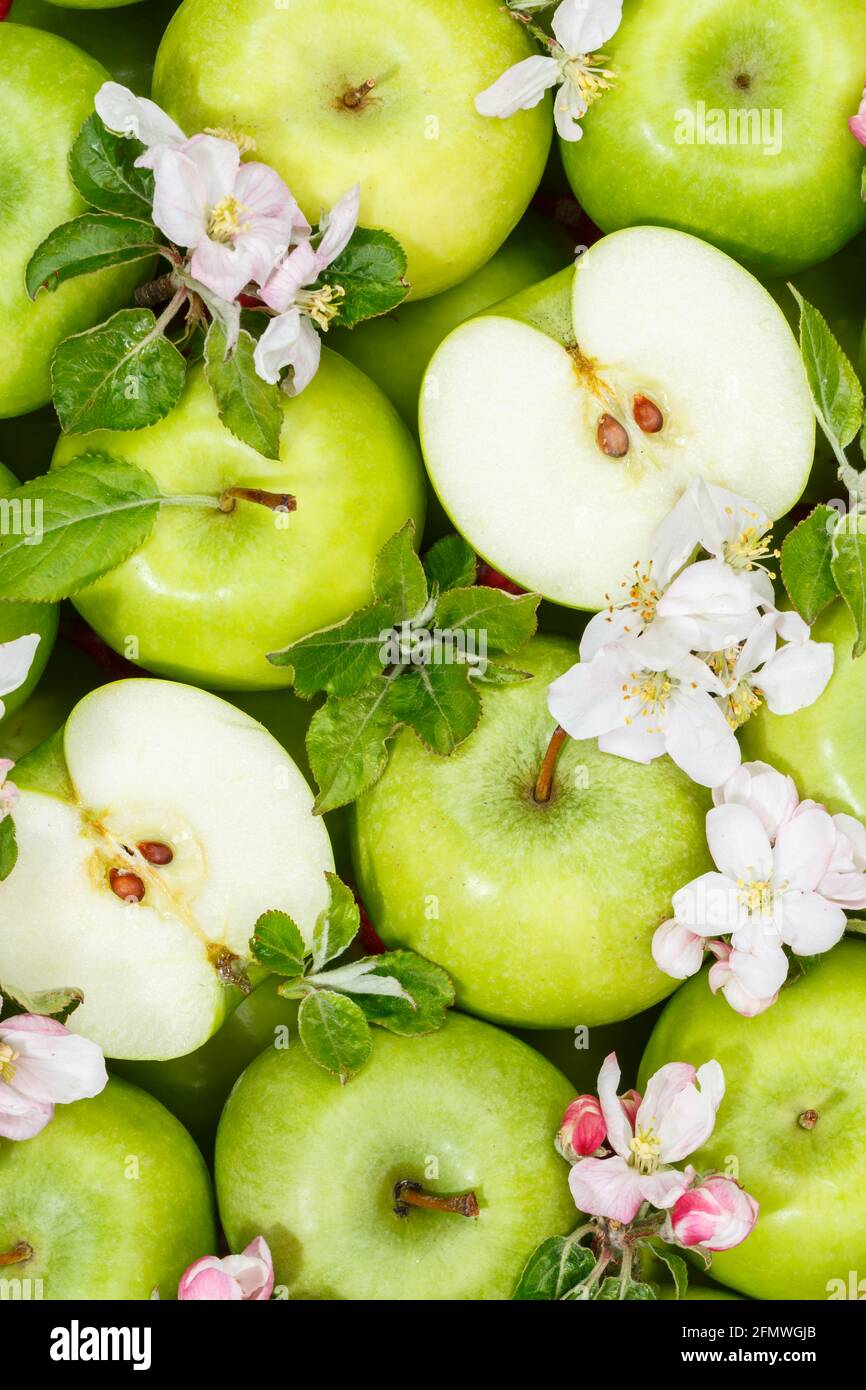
47 88
542 914
447 183
467 1108
210 594
19 619
776 212
125 44
113 1197
807 1052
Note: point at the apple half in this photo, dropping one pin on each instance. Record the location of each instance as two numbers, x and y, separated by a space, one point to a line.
151 763
560 427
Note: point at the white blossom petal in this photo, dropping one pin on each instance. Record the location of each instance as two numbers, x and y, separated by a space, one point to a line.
520 88
803 850
339 227
771 795
796 675
606 1187
126 114
676 950
619 1131
699 738
811 924
587 700
583 26
16 658
568 108
739 844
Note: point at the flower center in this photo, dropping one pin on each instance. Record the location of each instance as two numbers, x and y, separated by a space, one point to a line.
741 700
321 305
245 143
586 73
226 220
646 1148
757 896
8 1058
651 689
750 549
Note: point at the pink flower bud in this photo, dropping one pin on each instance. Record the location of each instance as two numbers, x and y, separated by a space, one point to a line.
717 1214
676 950
857 124
630 1102
248 1277
583 1129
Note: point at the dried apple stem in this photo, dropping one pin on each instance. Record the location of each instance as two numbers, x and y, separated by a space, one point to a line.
412 1194
17 1255
544 782
355 98
274 501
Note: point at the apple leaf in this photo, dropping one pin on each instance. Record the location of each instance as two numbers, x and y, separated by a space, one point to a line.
8 847
48 1003
556 1268
439 702
341 659
335 1033
371 272
428 985
807 570
336 927
836 391
278 945
496 675
497 619
679 1270
398 575
122 375
92 514
249 406
90 242
346 744
849 571
628 1290
102 167
451 563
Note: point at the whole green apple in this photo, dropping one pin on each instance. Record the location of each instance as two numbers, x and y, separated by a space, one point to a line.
821 746
112 1198
47 88
713 126
793 1120
335 93
68 677
316 1168
19 619
125 45
210 594
542 913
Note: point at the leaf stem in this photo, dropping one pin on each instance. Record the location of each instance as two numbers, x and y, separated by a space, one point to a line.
544 781
226 502
18 1255
411 1194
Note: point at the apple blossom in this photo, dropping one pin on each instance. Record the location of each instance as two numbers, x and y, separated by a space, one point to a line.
248 1277
728 527
579 27
721 977
678 951
716 1213
122 111
787 678
43 1064
770 794
857 124
16 658
844 883
583 1129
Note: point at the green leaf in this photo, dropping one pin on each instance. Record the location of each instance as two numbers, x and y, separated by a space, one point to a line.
95 512
677 1266
346 744
48 1003
505 620
122 375
278 945
102 167
336 927
494 674
849 571
440 702
429 986
342 659
451 563
249 406
372 273
630 1291
8 847
807 570
836 391
335 1033
398 575
89 243
558 1266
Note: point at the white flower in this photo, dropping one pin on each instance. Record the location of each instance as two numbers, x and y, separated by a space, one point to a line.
290 340
722 977
788 677
772 796
845 880
580 28
725 525
16 658
126 114
42 1064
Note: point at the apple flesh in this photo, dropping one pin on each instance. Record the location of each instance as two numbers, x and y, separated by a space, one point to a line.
47 88
142 761
515 404
126 44
781 190
542 914
210 594
18 620
806 1053
447 183
312 1165
113 1198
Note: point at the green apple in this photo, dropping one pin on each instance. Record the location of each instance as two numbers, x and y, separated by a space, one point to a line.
195 1087
68 677
313 1166
47 88
335 93
395 349
542 913
534 414
821 746
20 619
126 44
729 119
113 1199
793 1119
210 594
141 768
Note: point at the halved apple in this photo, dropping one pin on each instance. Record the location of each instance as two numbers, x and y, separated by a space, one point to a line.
560 426
153 829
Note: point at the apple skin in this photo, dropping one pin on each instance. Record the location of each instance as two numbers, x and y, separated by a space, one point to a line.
312 1165
545 912
208 600
19 619
113 1196
821 746
126 46
47 88
807 1052
776 213
447 183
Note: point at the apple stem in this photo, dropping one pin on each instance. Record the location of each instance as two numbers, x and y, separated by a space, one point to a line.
411 1194
274 501
544 782
808 1119
355 98
17 1255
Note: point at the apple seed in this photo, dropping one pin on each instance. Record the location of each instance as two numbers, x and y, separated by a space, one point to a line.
155 852
126 885
647 415
611 437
